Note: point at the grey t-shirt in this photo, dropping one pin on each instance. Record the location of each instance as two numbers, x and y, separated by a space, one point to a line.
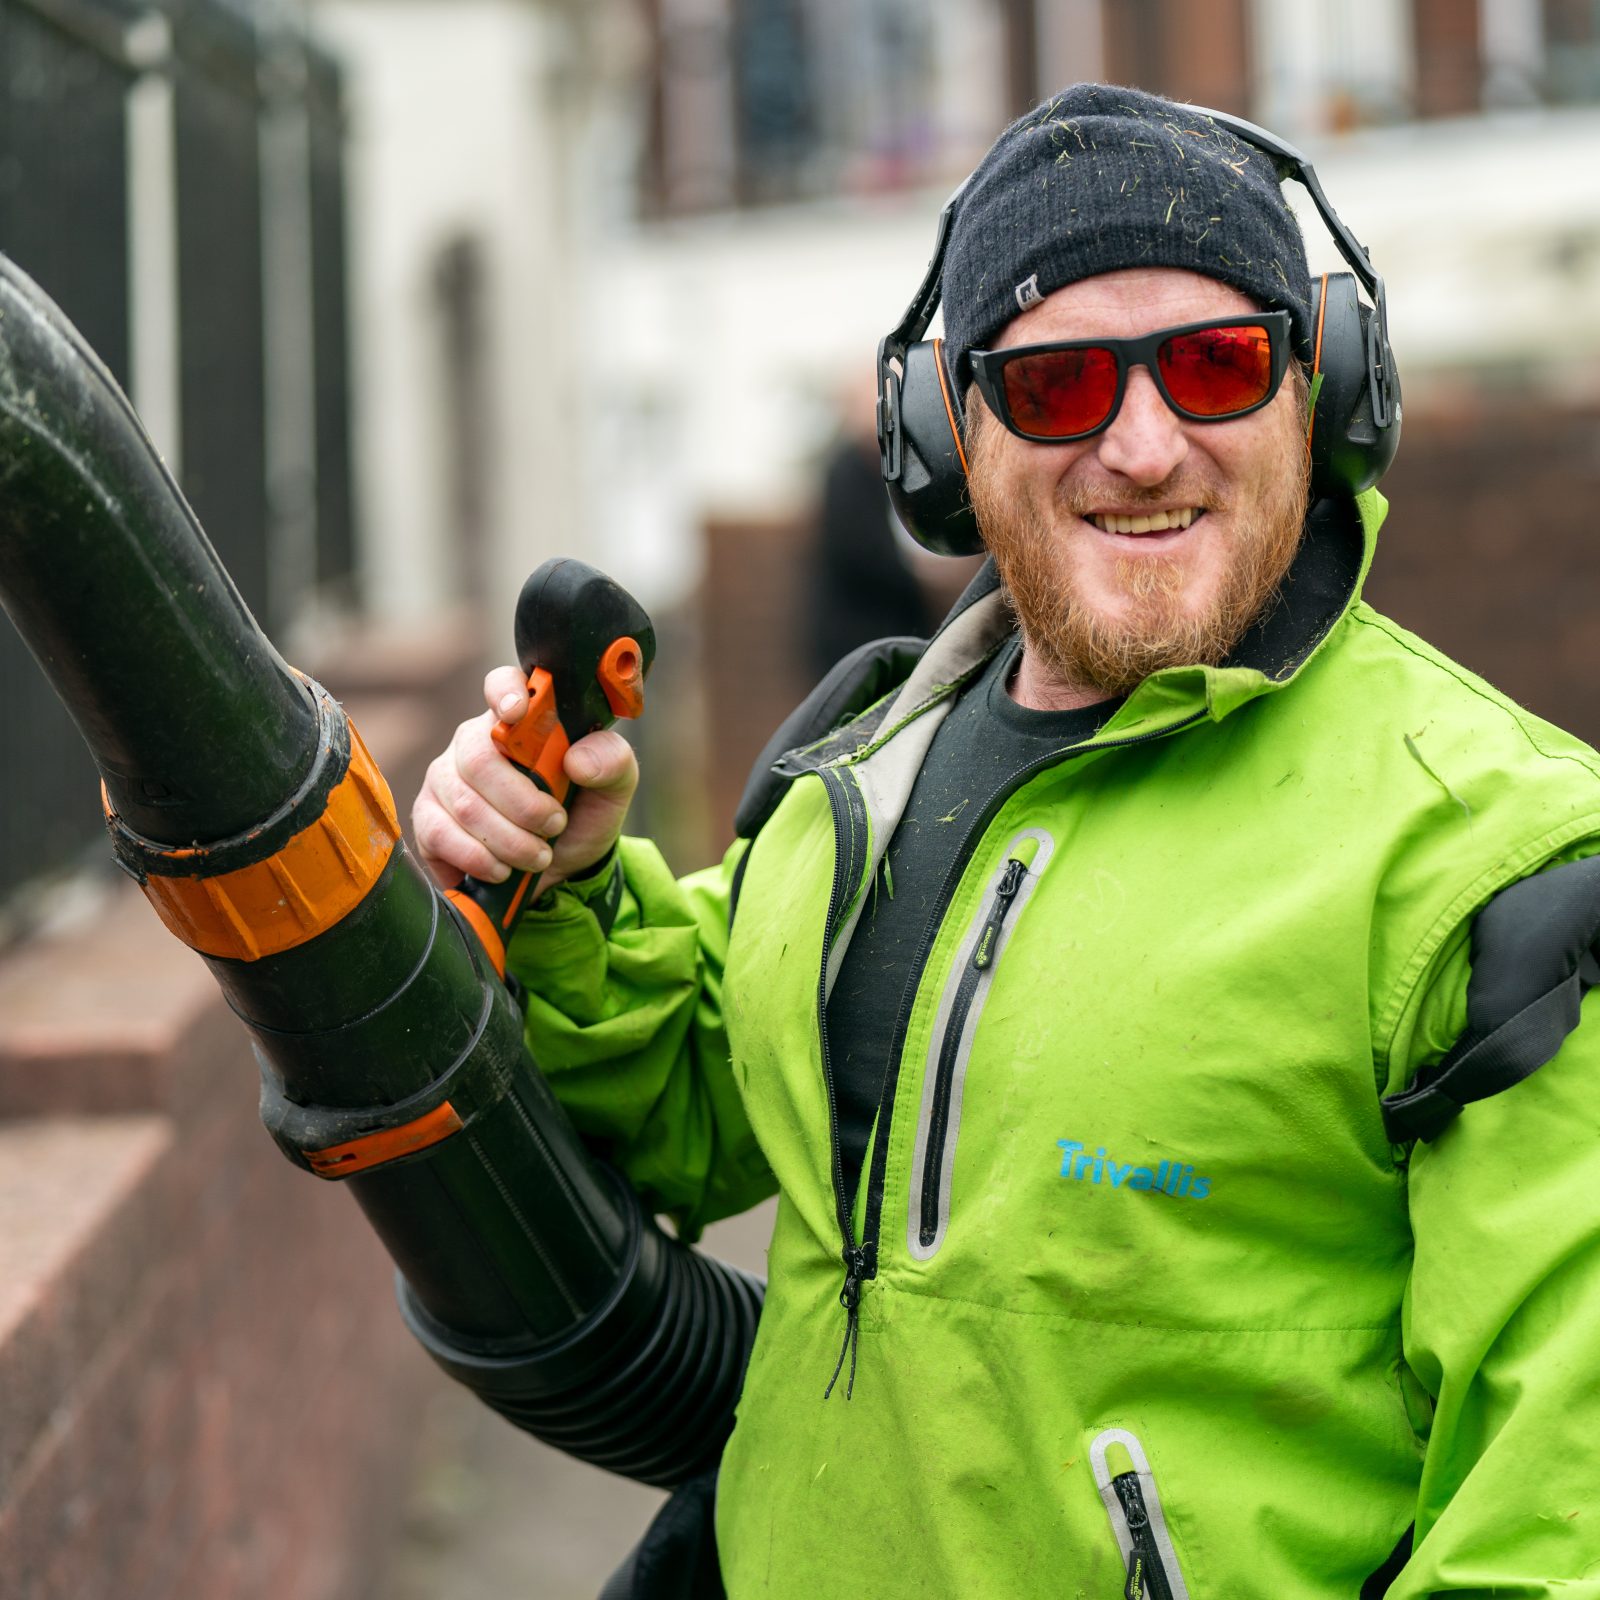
984 742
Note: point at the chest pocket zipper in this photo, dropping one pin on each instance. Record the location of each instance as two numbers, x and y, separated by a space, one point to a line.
1138 1523
966 989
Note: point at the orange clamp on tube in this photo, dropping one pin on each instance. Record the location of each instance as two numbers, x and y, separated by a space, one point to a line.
387 1144
538 742
316 879
481 924
621 675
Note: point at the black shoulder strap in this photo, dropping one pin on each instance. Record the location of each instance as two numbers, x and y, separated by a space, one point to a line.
1377 1584
863 677
1532 963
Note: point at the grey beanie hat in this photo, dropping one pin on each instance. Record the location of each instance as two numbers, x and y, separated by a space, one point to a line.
1100 178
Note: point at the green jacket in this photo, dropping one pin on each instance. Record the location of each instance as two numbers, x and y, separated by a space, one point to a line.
1145 1281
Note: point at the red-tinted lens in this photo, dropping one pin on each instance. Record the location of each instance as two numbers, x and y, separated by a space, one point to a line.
1214 372
1060 392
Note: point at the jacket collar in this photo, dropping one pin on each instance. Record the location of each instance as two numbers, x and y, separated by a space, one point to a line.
1323 584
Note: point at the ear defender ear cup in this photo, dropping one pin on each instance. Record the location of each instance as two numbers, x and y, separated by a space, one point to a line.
929 489
1349 451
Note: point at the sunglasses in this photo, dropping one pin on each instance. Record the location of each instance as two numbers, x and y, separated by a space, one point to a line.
1205 371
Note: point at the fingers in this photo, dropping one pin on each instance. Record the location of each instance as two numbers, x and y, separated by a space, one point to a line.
603 762
477 814
482 786
505 692
449 851
605 774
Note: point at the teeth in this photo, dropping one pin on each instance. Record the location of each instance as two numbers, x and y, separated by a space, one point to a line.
1155 522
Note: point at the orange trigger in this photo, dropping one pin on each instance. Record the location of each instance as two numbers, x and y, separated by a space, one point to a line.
538 743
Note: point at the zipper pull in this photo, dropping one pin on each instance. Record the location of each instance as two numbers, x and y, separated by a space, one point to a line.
1147 1578
1134 1588
859 1264
983 952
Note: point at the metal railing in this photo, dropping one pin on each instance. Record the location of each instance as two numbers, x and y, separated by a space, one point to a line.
173 177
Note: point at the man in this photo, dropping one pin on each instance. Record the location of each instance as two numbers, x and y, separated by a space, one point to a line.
1064 981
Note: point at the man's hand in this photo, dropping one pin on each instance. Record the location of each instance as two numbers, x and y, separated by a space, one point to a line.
478 814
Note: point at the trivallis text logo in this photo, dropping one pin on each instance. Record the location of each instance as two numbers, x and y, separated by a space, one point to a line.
1169 1177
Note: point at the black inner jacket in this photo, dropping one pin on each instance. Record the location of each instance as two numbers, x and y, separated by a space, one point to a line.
985 740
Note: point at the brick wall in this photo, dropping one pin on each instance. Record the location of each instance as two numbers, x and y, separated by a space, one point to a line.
751 611
1490 552
1447 37
1187 52
205 1391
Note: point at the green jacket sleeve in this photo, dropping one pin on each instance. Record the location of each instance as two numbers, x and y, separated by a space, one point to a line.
1500 1324
624 979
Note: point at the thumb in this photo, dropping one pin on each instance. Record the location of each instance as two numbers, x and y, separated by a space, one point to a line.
602 760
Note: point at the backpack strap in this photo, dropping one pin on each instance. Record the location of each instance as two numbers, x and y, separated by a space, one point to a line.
854 686
1532 963
863 677
1378 1582
805 738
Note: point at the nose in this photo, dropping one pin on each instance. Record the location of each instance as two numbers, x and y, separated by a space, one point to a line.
1145 442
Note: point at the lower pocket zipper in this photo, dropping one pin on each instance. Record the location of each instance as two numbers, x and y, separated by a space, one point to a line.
1138 1523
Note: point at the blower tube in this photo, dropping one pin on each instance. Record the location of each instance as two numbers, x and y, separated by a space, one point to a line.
243 802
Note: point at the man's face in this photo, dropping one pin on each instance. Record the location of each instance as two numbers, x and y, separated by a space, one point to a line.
1101 609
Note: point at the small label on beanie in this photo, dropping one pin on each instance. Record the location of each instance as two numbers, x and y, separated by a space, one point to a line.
1028 292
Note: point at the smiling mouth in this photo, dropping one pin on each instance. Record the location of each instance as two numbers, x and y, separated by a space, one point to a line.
1148 522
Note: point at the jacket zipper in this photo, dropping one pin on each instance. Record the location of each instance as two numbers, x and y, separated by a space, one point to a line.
861 1260
1146 1578
976 973
1138 1522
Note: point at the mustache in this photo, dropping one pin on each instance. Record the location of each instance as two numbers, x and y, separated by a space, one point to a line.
1126 502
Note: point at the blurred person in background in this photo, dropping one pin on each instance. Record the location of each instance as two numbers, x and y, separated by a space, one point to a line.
1076 984
866 572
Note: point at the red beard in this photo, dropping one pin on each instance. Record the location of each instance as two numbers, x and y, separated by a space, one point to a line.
1157 623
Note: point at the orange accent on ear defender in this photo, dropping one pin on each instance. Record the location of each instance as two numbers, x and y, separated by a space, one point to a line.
949 404
538 742
386 1144
319 876
481 924
1316 357
621 675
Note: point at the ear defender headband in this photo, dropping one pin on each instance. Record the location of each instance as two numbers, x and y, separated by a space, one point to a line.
1352 433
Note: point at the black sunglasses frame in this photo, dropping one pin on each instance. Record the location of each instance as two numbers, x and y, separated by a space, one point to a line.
989 365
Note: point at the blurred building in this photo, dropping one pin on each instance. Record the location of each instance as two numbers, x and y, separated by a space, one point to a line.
467 134
794 157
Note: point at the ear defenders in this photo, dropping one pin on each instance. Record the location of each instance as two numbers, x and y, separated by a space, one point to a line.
1352 434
